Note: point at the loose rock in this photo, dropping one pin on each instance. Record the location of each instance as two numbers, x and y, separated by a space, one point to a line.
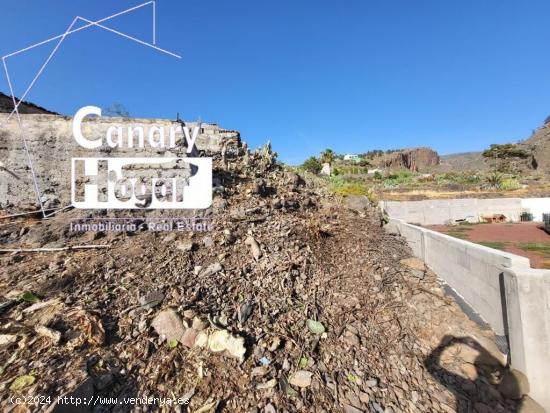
168 325
301 378
222 341
254 247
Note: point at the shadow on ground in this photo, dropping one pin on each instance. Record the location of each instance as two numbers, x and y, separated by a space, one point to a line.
485 386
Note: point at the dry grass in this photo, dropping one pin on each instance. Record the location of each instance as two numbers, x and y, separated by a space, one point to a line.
535 246
497 245
425 194
420 194
460 231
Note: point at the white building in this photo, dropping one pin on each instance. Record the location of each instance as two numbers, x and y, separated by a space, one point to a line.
352 157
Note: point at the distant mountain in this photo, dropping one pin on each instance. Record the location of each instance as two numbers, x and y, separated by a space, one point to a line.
539 146
536 148
6 106
465 161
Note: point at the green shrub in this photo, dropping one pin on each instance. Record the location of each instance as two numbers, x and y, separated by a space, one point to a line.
328 156
494 180
457 178
508 150
398 178
510 184
312 165
341 186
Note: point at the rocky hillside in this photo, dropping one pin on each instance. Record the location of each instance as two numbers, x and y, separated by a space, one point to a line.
539 146
536 148
466 161
6 106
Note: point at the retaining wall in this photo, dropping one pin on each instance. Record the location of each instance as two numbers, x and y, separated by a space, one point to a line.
443 211
513 298
528 309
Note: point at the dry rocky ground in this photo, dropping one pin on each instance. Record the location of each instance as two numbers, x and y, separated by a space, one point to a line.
295 301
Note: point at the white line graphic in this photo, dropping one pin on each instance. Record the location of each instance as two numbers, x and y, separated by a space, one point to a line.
129 37
61 38
154 23
25 145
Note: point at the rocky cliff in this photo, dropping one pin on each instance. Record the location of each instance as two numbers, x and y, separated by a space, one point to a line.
415 159
539 146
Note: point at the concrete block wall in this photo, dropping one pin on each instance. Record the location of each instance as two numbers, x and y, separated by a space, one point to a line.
528 310
472 270
443 211
502 288
415 237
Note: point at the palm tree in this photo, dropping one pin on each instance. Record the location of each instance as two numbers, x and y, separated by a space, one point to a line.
328 156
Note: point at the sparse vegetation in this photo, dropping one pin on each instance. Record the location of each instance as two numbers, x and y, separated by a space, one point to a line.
494 180
535 246
312 165
399 178
345 186
497 245
457 178
459 231
378 152
505 151
506 175
538 247
504 237
350 170
116 110
510 184
328 156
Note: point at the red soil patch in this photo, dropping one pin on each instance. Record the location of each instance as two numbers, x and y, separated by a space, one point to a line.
510 234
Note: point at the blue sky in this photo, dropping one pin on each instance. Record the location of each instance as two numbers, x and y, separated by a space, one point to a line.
309 74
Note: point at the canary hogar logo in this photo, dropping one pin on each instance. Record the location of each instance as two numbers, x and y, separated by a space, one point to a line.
139 182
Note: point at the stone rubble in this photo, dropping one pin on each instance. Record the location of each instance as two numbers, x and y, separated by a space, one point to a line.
293 302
